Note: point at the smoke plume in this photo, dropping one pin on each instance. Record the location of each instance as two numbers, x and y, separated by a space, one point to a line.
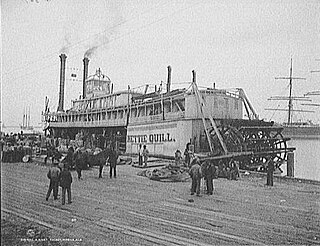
115 19
66 43
89 52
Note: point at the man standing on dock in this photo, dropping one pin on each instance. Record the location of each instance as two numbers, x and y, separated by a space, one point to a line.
209 172
54 176
187 155
140 154
195 173
113 157
65 183
145 155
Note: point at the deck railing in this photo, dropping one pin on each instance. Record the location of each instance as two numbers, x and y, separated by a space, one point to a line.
119 121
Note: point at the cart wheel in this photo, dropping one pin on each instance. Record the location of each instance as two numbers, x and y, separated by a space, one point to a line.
26 159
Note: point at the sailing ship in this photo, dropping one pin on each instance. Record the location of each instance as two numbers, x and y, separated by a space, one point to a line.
301 128
26 121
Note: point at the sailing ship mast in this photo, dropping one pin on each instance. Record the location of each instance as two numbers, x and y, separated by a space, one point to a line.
28 123
26 119
24 116
290 98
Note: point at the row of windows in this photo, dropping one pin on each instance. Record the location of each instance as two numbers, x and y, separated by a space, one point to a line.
154 109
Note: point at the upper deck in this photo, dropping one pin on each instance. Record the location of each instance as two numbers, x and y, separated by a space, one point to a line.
129 107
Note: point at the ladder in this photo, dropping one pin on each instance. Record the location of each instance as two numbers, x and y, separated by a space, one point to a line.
202 109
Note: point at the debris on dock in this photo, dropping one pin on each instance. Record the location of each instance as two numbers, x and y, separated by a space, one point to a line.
168 173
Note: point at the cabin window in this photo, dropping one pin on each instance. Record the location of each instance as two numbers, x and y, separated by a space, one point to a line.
150 110
156 110
142 113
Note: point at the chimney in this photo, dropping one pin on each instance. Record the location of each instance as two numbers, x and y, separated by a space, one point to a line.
85 76
169 79
63 58
193 76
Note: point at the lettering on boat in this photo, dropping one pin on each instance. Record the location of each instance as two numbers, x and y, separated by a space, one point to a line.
151 138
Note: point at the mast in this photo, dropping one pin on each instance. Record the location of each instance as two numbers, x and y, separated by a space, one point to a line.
24 115
290 98
28 123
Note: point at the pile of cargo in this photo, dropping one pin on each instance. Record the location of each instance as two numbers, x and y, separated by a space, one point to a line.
168 173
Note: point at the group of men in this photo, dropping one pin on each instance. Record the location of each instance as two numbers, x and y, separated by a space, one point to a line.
59 173
14 151
197 171
59 177
207 170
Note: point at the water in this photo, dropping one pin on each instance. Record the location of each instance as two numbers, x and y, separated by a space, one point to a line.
306 158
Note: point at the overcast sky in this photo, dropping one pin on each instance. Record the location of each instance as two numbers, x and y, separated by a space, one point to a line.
231 43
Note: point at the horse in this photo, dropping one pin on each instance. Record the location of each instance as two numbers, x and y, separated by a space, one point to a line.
85 159
80 161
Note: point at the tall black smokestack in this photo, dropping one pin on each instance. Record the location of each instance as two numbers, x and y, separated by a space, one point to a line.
85 76
169 79
63 58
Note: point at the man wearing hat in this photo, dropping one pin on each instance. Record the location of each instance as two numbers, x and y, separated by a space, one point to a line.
54 176
195 173
65 183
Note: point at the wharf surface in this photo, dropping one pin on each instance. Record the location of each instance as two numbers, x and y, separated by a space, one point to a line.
134 210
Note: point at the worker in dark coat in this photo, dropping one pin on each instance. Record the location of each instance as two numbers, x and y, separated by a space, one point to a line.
5 156
209 172
69 159
49 154
80 162
187 155
54 176
145 156
113 157
140 155
195 173
65 183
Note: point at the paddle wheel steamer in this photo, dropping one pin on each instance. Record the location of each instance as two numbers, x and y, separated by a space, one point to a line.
165 120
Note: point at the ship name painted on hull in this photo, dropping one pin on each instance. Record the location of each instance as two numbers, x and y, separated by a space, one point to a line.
151 138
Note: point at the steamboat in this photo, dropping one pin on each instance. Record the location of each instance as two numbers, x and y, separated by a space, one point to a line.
208 121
